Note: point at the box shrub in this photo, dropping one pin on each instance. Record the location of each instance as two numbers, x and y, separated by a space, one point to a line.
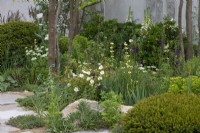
14 37
178 113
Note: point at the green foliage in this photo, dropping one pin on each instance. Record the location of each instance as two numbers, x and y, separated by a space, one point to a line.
135 82
85 118
112 110
110 31
63 43
185 85
14 37
192 67
178 113
26 122
7 82
80 44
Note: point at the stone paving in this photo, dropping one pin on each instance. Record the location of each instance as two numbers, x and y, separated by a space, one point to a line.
10 108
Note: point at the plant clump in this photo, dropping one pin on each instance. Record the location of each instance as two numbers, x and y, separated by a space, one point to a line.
178 113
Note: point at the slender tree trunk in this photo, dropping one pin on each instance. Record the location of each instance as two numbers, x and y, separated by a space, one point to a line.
199 29
180 36
53 59
189 29
73 26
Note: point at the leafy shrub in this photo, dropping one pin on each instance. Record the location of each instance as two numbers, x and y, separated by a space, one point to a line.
14 37
184 85
110 31
80 44
86 118
111 105
178 113
7 82
63 43
26 122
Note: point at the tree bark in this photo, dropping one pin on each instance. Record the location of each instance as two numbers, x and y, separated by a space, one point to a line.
199 29
74 27
180 36
189 29
53 57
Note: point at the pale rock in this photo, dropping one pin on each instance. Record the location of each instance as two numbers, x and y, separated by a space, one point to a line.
94 105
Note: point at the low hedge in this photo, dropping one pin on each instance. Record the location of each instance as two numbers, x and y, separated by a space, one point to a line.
167 113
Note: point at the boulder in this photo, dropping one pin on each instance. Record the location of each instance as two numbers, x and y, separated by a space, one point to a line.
94 105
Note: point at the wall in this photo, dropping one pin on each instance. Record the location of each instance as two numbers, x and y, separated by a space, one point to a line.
14 5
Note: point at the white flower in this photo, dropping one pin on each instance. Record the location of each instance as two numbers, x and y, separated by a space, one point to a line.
86 72
129 72
102 72
46 49
81 75
34 58
68 85
100 67
144 71
27 53
44 55
46 37
125 44
76 89
40 15
74 75
88 78
130 40
38 54
91 81
153 67
141 68
100 78
112 43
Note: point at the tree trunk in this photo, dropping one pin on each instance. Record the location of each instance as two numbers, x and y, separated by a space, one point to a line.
199 29
189 29
53 57
74 27
180 36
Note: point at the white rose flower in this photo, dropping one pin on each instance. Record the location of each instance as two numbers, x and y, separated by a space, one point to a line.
40 15
100 67
100 78
102 72
86 72
76 89
74 75
91 81
81 75
88 78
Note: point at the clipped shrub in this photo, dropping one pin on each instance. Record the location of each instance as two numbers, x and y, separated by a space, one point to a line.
14 37
184 85
63 42
177 113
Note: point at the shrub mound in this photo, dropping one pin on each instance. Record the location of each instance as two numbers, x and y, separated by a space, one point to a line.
178 113
14 37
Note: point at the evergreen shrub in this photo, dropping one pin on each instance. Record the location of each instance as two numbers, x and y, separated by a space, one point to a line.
14 37
177 113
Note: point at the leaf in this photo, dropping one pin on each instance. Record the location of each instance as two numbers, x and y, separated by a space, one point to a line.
2 79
